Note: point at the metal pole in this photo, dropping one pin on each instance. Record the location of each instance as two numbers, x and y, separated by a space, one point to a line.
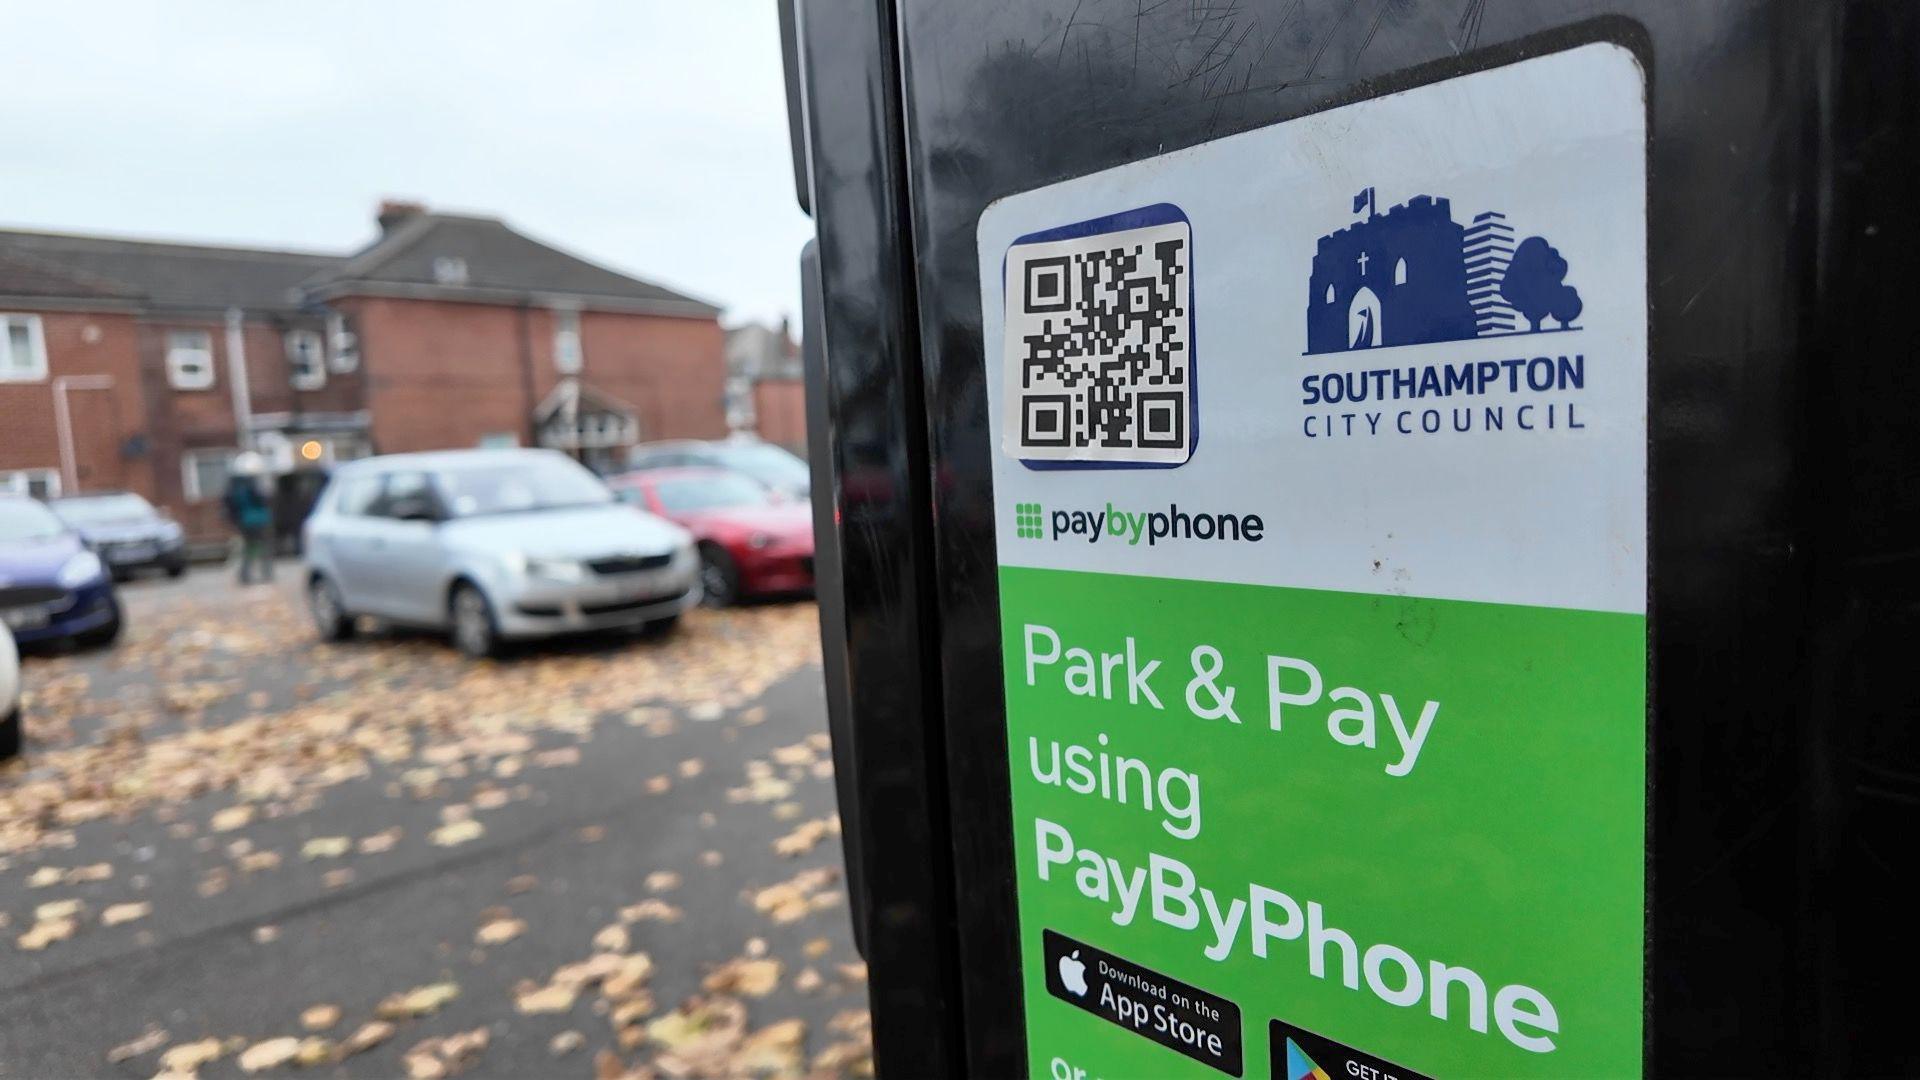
63 421
237 379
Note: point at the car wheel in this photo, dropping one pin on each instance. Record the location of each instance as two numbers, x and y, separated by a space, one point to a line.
474 631
176 568
11 727
719 576
330 618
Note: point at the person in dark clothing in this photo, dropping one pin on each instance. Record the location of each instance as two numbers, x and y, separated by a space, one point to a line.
251 513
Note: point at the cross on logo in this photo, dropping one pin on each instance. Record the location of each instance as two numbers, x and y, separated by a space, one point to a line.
1026 520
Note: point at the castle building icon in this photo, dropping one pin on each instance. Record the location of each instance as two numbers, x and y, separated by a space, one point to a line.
1413 275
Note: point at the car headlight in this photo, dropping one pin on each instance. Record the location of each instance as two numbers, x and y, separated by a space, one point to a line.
685 555
759 540
79 570
555 569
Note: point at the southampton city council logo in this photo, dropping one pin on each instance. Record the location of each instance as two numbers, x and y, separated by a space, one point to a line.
1414 275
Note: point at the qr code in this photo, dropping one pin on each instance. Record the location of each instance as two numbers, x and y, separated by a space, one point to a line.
1099 345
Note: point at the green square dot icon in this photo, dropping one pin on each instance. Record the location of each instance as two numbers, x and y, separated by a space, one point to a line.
1026 520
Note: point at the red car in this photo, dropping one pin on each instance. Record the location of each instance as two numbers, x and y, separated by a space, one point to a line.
753 541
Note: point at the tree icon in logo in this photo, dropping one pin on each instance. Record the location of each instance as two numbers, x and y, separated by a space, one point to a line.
1536 284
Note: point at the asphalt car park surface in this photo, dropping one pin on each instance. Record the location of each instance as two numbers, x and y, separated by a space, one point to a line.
231 849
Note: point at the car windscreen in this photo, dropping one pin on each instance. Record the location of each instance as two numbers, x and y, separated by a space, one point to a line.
767 464
716 492
519 487
23 520
104 509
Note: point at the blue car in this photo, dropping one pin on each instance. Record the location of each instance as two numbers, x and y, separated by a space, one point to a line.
52 587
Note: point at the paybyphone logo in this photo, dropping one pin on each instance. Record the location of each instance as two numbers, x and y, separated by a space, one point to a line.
1111 524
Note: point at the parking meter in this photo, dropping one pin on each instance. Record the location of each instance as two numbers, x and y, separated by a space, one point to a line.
1367 537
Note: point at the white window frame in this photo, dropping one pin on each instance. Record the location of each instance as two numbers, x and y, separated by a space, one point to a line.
343 346
35 369
315 374
190 475
179 376
569 355
20 482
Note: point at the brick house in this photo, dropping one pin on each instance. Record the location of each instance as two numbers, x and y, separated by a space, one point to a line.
765 390
147 366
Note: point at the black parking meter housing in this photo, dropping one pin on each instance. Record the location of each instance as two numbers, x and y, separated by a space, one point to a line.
1784 757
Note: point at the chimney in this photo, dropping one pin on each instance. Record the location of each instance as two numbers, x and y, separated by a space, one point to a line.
394 212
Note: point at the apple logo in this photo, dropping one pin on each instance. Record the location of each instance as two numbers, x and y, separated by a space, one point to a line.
1073 974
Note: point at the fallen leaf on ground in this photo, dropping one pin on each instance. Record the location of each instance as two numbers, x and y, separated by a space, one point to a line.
662 880
592 834
431 1059
754 978
818 947
418 1001
773 1049
457 832
612 938
499 931
116 914
380 842
565 1043
551 998
264 934
325 847
45 876
57 909
186 1058
320 1017
233 817
650 908
522 883
803 839
269 1054
146 1043
792 899
46 932
367 1036
699 1035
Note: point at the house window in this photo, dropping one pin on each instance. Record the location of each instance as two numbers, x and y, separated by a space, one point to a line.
37 483
203 473
566 342
343 346
306 359
23 349
190 359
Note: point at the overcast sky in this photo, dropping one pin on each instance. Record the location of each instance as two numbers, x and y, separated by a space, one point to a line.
647 136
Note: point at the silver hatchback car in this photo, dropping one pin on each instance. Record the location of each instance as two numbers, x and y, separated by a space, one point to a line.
490 545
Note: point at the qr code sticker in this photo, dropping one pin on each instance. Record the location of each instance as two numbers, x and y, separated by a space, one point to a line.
1099 344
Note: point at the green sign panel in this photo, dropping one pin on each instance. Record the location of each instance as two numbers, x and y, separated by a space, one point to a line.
1322 554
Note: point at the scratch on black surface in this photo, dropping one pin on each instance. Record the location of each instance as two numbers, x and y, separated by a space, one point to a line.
1328 40
1057 57
1469 27
1372 29
1220 70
